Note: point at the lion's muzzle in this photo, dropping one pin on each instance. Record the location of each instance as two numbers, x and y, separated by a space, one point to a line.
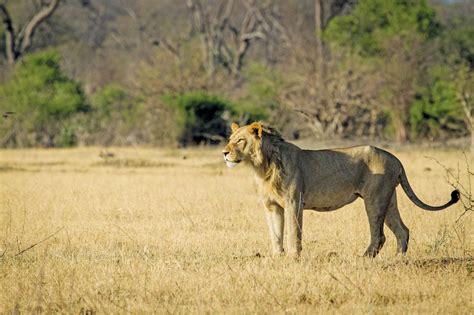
229 163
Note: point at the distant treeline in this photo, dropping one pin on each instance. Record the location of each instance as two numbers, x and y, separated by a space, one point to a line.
110 72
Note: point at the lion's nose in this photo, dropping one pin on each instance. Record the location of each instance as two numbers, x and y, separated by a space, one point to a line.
225 152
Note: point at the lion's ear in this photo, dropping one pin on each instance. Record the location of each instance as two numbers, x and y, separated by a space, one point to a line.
256 129
234 127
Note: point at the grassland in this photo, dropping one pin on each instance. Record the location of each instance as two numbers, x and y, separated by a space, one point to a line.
174 231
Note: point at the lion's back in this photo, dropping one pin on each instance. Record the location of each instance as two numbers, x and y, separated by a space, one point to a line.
352 161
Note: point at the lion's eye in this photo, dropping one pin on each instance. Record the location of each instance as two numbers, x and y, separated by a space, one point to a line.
240 140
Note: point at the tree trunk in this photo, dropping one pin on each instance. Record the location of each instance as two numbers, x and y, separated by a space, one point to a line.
373 124
318 25
17 44
9 34
401 133
468 109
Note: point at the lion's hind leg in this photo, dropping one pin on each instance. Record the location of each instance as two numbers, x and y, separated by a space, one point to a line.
395 224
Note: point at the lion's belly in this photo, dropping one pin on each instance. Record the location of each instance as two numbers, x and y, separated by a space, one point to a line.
329 203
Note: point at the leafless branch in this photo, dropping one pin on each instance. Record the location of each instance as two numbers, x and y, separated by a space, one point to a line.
35 21
467 196
9 34
225 42
17 44
173 49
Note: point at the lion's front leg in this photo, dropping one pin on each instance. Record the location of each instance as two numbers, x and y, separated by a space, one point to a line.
275 221
294 227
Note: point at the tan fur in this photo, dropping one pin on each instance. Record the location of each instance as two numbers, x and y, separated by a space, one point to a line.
291 179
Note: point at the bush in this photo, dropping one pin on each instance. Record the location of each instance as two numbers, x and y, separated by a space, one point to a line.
204 118
43 98
200 116
436 111
116 117
119 117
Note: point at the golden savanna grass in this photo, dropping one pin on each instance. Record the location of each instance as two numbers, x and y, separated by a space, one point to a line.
174 231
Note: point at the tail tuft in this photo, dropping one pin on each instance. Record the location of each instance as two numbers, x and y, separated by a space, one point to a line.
455 195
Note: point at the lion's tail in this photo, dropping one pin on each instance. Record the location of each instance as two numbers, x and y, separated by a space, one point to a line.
411 194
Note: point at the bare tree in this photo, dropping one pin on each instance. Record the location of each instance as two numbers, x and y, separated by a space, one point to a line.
333 101
349 105
226 42
18 42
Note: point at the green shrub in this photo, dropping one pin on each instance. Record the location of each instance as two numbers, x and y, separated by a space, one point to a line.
204 117
457 39
200 116
436 110
43 97
110 99
114 104
67 138
116 117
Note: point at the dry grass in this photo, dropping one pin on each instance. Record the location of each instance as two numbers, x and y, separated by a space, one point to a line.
175 231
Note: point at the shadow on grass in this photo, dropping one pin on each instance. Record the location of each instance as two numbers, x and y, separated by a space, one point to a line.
435 263
443 262
28 167
12 168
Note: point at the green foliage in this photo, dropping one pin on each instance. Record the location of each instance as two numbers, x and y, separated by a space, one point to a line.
374 22
199 114
457 40
109 99
394 37
43 98
436 110
114 103
67 138
115 116
39 85
204 117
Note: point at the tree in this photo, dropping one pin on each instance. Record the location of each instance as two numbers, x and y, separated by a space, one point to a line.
394 37
457 38
17 42
374 23
457 50
226 42
330 90
324 12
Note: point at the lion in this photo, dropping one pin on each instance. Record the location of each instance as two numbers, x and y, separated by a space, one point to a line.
290 179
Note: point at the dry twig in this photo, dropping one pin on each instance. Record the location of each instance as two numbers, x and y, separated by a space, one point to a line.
454 179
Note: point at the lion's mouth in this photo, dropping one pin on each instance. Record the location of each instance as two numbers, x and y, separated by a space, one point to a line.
231 164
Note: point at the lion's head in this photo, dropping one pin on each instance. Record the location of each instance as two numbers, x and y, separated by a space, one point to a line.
243 143
247 143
